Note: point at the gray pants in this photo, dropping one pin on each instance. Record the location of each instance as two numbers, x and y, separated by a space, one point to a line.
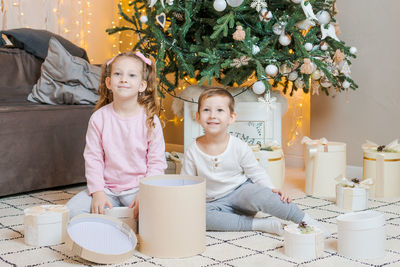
81 202
235 211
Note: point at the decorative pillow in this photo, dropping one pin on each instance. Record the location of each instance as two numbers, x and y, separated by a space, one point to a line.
36 42
65 79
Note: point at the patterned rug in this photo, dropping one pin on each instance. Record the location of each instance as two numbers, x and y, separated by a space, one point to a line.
223 248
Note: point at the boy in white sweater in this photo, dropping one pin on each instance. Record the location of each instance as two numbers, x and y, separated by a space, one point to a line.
237 187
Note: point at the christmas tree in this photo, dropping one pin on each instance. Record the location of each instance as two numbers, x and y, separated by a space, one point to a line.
257 43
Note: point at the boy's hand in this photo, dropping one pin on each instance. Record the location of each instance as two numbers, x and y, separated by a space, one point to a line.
99 201
284 196
135 203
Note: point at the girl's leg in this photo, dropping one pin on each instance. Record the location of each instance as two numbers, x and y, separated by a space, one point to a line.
81 203
127 197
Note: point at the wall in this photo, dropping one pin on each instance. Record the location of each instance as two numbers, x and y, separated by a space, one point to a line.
81 22
372 111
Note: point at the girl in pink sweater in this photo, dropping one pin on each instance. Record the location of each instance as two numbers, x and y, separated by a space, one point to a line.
124 140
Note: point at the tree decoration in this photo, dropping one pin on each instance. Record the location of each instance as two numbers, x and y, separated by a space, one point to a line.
258 4
239 34
233 42
338 56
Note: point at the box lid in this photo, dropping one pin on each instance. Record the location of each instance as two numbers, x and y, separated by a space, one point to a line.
362 220
100 238
46 214
332 146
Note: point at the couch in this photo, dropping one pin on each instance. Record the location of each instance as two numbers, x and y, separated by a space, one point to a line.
41 146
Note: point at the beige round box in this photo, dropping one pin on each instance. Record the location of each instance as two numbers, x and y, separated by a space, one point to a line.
125 214
274 163
384 169
172 219
323 163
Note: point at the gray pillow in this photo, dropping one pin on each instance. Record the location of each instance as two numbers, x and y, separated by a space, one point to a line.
36 42
65 79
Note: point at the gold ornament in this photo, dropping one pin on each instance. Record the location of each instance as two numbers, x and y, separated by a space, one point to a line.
338 57
325 82
285 69
239 34
315 88
306 68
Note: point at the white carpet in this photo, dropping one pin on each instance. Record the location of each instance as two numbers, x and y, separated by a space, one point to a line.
223 248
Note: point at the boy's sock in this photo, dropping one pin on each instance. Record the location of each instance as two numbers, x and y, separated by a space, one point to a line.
268 225
312 222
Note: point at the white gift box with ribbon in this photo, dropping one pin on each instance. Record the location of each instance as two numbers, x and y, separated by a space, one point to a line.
361 235
45 225
324 161
273 161
384 167
352 195
309 245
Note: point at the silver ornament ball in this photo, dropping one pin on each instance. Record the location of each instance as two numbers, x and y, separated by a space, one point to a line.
323 17
308 46
271 70
258 88
234 3
219 5
285 39
277 28
143 19
293 76
353 50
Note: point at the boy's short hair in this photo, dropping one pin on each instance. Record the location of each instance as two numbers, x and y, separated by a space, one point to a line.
216 91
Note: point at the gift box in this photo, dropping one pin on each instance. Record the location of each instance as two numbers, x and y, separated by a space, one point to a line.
382 164
45 225
271 158
124 214
352 195
361 235
324 161
172 218
100 238
303 242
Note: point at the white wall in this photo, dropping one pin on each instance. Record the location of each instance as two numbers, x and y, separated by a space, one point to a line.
373 111
81 22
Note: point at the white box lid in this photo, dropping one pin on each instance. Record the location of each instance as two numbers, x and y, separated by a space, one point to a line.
362 220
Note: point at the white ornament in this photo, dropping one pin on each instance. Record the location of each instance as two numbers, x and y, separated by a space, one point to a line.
234 3
258 4
285 39
271 70
344 68
265 15
143 19
258 88
153 2
299 83
324 46
331 32
278 28
170 2
308 11
293 76
316 75
353 50
267 99
345 84
308 46
323 17
219 5
296 1
255 49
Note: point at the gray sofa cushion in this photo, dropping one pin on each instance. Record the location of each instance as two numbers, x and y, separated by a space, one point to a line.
19 71
36 42
65 79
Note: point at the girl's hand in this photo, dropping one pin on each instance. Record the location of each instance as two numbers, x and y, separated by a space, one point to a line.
99 201
135 203
284 196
